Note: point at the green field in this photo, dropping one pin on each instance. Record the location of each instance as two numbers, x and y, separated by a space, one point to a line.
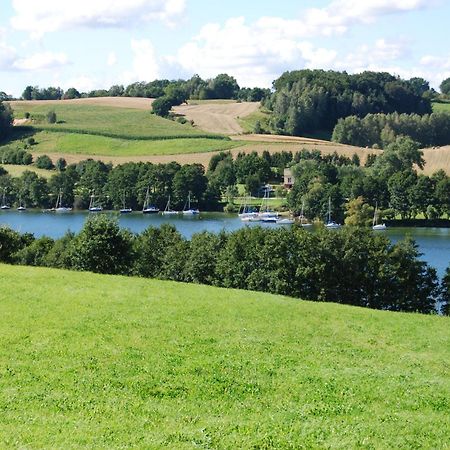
248 122
17 170
111 131
86 144
106 120
441 107
89 361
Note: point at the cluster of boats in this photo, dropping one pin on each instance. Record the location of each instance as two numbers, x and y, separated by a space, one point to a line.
94 206
264 214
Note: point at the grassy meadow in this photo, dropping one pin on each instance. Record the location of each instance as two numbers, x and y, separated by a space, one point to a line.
87 144
107 362
441 107
99 130
17 170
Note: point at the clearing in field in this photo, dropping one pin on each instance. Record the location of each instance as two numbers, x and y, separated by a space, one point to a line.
106 362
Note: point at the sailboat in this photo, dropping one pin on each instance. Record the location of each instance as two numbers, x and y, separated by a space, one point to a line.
124 209
375 225
187 210
22 206
59 208
330 223
4 205
302 217
265 214
92 205
147 208
167 211
247 212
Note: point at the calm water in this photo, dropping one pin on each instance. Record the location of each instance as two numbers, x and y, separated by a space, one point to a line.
434 243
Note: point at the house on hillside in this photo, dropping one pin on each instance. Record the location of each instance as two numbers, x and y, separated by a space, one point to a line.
289 178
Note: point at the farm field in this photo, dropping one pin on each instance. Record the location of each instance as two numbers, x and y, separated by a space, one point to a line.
105 362
17 170
63 144
217 117
103 120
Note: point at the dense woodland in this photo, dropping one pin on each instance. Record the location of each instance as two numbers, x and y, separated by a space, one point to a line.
353 266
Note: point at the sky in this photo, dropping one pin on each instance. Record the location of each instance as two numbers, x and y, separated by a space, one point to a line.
93 44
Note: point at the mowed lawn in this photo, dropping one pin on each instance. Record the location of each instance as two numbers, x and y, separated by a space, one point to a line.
89 361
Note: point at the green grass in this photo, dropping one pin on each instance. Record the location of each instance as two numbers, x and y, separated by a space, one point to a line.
90 361
107 121
109 131
441 107
18 170
71 143
248 122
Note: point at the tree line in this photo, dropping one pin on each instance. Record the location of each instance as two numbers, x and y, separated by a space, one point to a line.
223 86
389 181
128 183
306 101
352 266
380 130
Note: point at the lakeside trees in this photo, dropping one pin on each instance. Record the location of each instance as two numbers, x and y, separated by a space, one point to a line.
352 266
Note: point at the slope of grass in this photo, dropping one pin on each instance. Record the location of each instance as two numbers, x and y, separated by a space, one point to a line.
85 144
107 362
441 107
105 121
17 170
248 122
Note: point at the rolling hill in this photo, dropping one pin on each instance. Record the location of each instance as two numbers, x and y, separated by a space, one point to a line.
120 129
90 361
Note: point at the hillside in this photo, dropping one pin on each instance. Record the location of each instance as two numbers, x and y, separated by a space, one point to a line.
106 362
120 129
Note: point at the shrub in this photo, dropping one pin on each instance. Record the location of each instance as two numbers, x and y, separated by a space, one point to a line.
44 162
51 117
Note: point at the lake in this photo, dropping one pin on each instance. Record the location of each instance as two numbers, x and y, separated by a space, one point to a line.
434 243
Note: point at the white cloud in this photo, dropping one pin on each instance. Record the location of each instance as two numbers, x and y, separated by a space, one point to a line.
7 56
44 16
82 83
41 61
341 14
254 54
112 59
145 62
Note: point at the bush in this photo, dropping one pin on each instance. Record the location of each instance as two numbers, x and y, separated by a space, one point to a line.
51 117
27 115
44 162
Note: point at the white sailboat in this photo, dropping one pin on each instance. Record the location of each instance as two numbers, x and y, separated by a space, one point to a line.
22 206
93 207
377 226
124 209
302 217
167 210
265 213
4 205
147 208
247 212
330 223
59 208
187 210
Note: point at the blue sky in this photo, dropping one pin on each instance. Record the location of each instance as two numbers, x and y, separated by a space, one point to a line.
92 44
